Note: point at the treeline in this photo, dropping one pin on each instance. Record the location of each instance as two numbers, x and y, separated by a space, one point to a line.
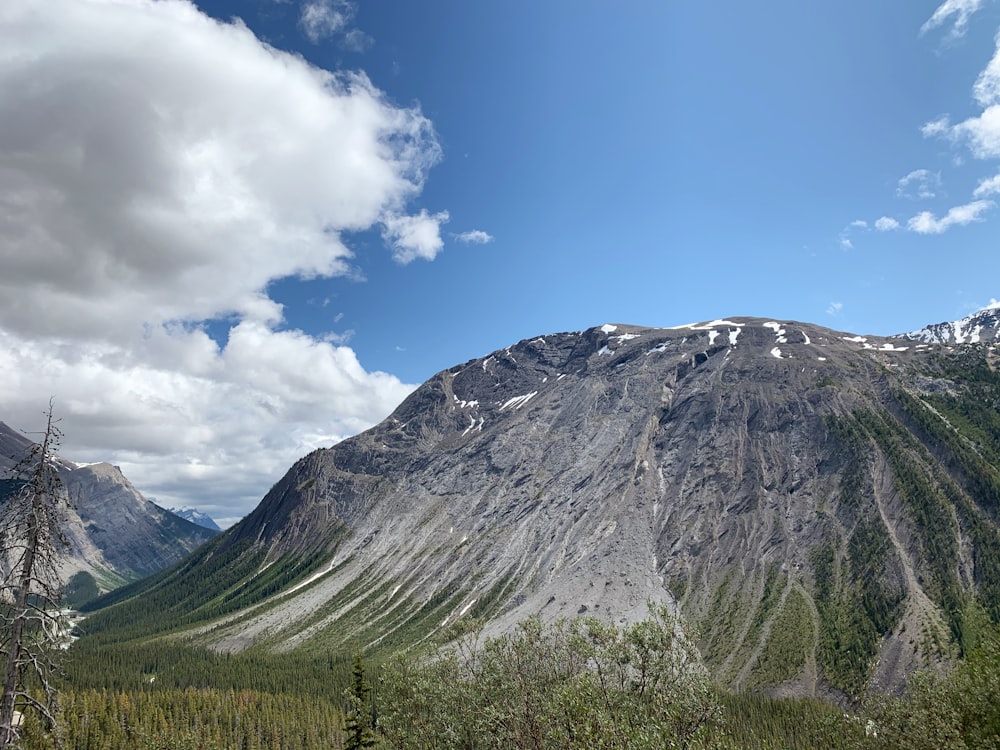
164 664
574 684
192 719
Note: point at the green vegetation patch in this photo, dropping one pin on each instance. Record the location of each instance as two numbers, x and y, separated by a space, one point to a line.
81 588
788 645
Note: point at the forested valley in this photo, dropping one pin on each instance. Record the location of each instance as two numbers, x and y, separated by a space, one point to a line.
577 683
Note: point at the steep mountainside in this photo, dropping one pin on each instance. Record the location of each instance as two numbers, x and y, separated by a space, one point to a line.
820 507
115 534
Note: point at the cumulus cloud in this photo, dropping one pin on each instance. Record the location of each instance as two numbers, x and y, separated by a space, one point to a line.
158 169
886 224
834 308
981 133
413 237
920 184
958 12
474 237
926 223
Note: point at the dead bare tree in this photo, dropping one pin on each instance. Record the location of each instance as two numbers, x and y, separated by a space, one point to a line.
32 627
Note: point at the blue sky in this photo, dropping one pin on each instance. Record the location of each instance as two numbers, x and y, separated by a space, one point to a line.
226 242
655 163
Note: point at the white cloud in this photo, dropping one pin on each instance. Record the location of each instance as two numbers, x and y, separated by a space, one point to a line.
926 223
886 224
987 86
834 308
937 127
982 132
321 19
989 186
357 40
413 237
188 421
920 184
962 10
845 234
474 237
157 165
158 169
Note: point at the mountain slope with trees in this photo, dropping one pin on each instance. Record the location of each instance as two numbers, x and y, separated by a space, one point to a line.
820 507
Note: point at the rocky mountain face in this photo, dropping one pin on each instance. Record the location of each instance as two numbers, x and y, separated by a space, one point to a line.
115 534
819 508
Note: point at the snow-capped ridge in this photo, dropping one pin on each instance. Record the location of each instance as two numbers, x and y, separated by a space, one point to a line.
978 328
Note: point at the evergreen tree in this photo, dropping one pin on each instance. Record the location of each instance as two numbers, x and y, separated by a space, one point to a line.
358 725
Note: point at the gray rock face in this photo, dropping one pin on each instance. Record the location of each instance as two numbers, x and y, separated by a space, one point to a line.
755 475
134 535
115 534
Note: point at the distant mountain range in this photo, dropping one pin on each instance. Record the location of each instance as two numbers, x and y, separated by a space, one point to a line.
116 535
819 507
196 516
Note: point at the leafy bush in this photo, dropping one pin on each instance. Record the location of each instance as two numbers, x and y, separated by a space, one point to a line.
577 683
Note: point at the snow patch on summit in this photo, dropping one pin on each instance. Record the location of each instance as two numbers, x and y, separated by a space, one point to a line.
779 332
707 326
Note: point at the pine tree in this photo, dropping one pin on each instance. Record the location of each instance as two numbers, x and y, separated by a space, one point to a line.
31 625
358 725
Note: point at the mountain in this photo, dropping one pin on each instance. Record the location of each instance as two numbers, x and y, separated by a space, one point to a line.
820 508
980 327
115 534
197 517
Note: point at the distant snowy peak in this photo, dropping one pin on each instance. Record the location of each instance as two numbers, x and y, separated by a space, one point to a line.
196 516
978 328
